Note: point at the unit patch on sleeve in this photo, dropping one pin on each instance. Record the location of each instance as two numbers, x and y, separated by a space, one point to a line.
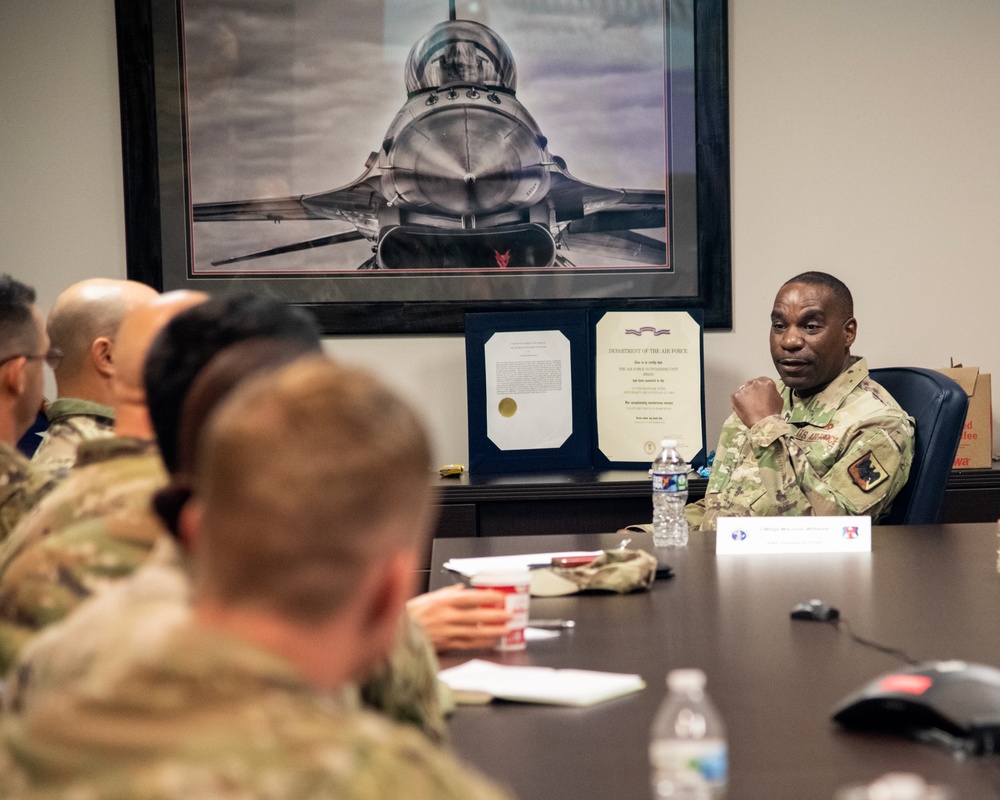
867 473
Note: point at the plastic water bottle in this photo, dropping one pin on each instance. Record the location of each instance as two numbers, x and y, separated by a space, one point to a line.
687 748
670 494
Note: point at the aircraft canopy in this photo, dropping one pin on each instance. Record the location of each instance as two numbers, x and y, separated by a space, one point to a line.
460 51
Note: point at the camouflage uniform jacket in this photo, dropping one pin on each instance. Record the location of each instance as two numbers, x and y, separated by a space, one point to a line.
94 529
114 477
71 421
844 451
21 487
112 629
201 715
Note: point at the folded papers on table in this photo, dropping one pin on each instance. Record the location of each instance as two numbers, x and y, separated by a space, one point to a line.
479 681
472 566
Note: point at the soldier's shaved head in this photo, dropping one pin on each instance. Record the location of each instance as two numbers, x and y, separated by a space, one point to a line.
137 331
83 324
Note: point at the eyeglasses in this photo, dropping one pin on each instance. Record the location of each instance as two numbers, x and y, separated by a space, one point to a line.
53 358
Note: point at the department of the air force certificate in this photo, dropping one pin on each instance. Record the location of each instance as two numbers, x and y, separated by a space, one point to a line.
648 384
529 390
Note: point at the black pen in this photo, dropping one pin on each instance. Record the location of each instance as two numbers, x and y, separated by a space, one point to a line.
555 624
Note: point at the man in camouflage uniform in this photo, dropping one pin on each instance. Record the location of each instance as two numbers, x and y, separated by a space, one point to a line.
110 530
98 525
83 326
826 440
24 349
303 566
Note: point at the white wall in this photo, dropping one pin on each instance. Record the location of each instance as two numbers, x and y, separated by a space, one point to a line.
864 143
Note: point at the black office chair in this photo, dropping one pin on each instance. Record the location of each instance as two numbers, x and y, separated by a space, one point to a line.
937 405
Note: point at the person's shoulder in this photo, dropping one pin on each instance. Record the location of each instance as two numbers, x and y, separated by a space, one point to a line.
871 399
14 467
58 448
350 755
107 633
120 487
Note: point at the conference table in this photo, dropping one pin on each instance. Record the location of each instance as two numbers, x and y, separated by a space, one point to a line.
932 591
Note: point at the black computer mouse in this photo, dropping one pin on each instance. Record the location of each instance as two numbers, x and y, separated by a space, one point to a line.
951 702
816 611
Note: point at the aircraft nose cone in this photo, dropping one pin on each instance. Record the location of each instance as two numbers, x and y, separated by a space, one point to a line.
467 161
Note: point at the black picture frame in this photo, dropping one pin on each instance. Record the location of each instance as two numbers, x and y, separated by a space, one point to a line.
157 206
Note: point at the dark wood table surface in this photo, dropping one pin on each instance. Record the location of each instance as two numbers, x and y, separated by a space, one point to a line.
933 591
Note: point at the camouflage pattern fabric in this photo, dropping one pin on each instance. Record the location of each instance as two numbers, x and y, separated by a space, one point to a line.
104 633
71 422
93 530
21 487
845 451
406 687
114 478
130 612
619 570
201 715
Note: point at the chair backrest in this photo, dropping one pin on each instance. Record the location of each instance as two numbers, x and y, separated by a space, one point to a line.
937 405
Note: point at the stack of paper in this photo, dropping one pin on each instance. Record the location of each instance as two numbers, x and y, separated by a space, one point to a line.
471 566
480 681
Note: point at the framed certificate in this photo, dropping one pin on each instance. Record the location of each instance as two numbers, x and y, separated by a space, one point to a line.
648 385
583 390
529 391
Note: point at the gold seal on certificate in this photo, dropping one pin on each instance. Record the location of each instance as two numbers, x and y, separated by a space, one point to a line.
648 383
507 407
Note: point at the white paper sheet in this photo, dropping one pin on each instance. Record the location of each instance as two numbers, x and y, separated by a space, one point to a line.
529 390
471 566
648 384
567 687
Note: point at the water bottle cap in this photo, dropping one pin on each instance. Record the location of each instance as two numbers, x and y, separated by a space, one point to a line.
685 680
668 443
898 786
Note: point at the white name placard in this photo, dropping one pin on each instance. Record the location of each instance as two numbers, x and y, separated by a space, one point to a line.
793 535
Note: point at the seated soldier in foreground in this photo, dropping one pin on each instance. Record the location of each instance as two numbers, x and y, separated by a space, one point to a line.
825 441
107 632
304 566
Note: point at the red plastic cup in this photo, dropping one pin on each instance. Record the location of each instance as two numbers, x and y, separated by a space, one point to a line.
516 586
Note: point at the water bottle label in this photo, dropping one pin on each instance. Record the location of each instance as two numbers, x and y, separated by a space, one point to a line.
690 763
674 482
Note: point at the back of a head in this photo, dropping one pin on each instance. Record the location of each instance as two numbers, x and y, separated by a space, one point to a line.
87 311
231 367
18 332
307 477
195 336
137 332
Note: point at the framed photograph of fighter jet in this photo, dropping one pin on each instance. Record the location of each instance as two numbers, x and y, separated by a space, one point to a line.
395 164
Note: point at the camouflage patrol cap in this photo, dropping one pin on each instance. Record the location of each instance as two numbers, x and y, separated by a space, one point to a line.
616 570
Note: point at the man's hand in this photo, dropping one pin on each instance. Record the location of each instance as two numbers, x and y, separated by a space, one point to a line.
756 399
456 618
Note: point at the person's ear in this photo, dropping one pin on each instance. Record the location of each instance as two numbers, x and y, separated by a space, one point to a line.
392 587
189 524
101 355
850 331
13 377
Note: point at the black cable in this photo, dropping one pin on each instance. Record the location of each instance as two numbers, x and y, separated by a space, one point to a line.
896 652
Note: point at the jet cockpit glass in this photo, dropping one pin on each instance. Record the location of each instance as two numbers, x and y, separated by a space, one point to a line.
460 51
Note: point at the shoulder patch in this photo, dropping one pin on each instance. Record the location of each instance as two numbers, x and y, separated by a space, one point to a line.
867 473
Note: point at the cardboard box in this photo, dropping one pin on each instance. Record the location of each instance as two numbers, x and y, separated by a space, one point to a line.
975 449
